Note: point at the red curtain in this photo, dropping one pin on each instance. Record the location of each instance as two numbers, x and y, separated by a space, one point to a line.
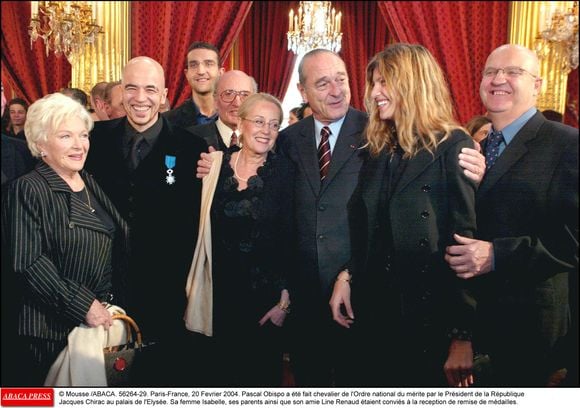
28 73
164 30
357 49
460 34
263 47
571 111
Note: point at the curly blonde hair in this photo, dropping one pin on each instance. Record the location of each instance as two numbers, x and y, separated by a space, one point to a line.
424 115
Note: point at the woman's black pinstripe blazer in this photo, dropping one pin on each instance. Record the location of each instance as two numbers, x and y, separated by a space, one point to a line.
60 256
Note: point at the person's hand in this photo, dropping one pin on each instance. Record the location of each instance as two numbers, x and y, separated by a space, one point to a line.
204 163
98 315
278 313
473 163
341 297
275 315
470 258
459 364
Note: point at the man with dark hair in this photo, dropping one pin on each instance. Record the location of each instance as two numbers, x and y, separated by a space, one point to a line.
202 70
303 111
77 94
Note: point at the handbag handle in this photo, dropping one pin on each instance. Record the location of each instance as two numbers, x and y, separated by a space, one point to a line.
133 325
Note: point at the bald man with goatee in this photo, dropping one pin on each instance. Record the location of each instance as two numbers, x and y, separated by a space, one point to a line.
147 167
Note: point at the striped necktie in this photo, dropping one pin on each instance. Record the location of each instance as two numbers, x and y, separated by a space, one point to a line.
324 152
234 140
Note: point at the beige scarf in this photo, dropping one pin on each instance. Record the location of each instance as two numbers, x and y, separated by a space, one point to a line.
82 362
198 289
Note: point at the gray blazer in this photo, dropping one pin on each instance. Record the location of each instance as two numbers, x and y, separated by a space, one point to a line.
61 255
323 242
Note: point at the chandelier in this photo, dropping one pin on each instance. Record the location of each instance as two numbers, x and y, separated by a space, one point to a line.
314 26
561 37
65 26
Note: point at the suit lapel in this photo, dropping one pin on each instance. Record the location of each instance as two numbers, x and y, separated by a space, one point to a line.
308 154
79 212
81 216
416 166
373 178
512 154
346 145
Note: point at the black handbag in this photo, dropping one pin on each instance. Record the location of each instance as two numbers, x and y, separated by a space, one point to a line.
121 361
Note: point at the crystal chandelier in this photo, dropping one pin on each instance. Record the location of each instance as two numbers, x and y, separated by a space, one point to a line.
561 37
65 26
315 25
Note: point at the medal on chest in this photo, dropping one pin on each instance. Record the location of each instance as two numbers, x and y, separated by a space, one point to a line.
170 164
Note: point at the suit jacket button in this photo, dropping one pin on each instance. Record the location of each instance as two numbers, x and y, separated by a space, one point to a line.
423 242
71 224
321 207
321 237
426 188
425 214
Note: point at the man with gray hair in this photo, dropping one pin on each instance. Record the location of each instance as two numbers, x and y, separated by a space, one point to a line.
231 90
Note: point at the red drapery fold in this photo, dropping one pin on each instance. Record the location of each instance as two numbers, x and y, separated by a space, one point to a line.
164 31
571 111
460 34
357 49
263 47
29 73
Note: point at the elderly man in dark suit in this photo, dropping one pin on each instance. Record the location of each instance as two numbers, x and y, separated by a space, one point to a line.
147 166
527 217
231 90
323 242
325 150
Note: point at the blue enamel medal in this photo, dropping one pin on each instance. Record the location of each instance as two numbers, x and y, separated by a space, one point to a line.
170 164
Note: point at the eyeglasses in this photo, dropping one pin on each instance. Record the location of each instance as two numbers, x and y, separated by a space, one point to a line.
510 72
261 122
229 95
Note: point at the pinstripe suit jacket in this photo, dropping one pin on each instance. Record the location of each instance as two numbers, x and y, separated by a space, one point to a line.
60 253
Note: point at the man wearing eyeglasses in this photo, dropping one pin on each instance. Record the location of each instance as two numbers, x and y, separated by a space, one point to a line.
230 91
527 218
327 165
202 70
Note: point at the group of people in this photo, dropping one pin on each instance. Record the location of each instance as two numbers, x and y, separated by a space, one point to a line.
441 252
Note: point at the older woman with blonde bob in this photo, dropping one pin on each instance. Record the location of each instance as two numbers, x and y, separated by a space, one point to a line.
251 222
412 196
60 232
